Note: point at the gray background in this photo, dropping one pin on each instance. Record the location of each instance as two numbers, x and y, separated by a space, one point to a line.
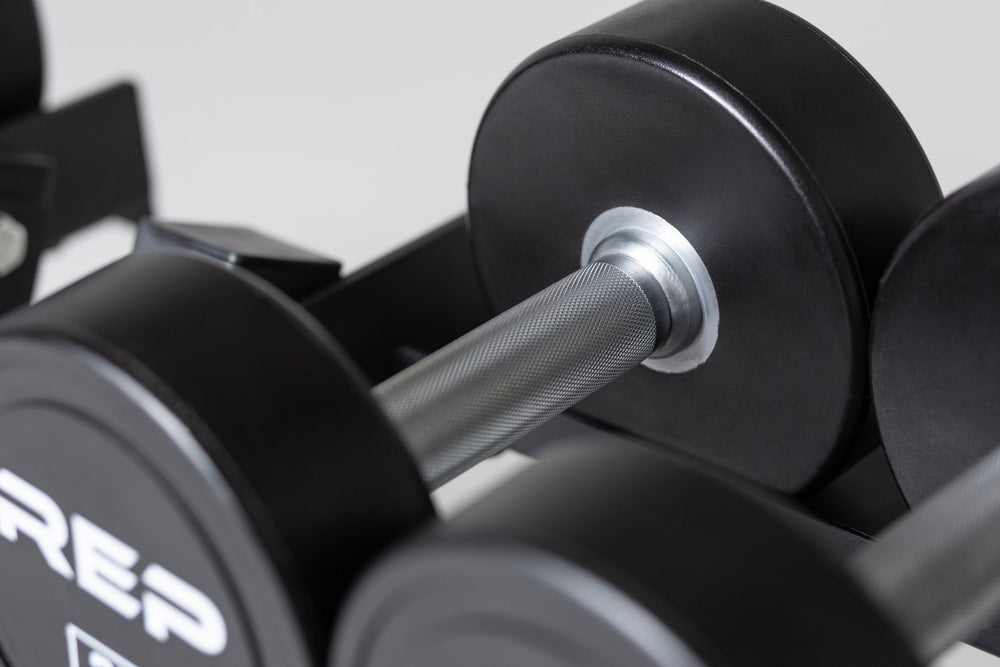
346 127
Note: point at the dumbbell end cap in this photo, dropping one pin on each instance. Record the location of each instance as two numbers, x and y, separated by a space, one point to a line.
670 271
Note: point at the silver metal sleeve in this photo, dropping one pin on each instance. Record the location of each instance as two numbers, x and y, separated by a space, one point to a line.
937 571
471 399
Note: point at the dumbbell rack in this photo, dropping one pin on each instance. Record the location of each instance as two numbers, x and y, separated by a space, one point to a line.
406 326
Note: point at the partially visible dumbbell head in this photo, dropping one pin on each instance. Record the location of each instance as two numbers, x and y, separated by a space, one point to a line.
21 55
190 474
772 152
614 556
935 342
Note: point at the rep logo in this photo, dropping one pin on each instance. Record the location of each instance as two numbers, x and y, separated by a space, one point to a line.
85 651
103 567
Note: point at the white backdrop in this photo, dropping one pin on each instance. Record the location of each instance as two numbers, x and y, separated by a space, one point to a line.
346 127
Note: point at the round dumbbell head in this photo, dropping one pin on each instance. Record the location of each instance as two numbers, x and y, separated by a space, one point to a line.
788 170
935 342
613 556
21 55
190 473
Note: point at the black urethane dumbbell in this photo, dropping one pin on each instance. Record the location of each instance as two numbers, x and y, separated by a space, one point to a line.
935 342
597 556
193 472
794 202
21 52
566 566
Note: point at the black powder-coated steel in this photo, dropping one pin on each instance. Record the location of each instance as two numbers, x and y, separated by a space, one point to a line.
428 295
295 271
96 149
427 292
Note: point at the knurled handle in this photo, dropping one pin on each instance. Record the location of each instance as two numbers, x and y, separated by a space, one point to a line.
473 398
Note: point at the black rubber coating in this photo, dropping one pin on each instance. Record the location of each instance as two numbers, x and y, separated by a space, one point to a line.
602 556
936 342
196 414
20 58
773 152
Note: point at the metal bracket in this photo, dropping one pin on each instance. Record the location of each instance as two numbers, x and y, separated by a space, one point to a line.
91 153
26 184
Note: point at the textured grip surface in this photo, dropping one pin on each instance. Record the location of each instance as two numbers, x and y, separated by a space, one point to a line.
937 571
482 392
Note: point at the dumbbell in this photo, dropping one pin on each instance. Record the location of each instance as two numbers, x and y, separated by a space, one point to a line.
601 556
935 350
935 356
193 472
615 556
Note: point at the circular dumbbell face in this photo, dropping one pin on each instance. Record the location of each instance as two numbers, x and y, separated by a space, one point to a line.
190 474
935 342
607 555
774 155
531 609
101 560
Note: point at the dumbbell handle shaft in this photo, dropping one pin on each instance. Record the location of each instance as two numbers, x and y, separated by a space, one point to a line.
937 571
474 397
